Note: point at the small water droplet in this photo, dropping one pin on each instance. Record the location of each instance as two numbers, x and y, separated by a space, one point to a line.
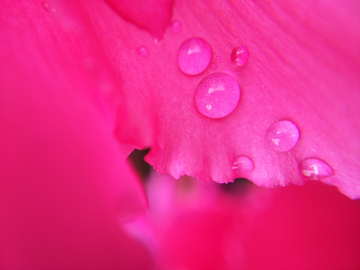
143 51
46 6
214 66
240 55
218 58
194 56
283 136
176 27
242 164
315 169
217 95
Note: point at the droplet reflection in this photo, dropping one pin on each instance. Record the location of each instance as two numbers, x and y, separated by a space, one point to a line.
194 56
217 95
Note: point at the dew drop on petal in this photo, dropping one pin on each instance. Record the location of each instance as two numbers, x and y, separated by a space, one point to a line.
240 55
242 164
218 58
194 56
315 169
282 136
217 95
46 6
213 66
143 51
176 27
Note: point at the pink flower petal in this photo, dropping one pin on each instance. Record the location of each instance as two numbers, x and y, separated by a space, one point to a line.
303 67
64 188
153 16
310 227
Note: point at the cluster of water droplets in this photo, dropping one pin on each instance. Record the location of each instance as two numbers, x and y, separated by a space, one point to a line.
218 94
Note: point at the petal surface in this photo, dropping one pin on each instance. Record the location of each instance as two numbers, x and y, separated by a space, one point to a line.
303 67
204 226
64 187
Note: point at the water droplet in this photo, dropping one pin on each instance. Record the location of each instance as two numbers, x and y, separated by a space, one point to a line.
194 56
46 6
218 58
240 55
315 169
217 95
214 66
175 27
283 136
143 51
242 164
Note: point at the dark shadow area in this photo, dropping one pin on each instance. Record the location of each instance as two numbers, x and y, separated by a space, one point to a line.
239 186
136 158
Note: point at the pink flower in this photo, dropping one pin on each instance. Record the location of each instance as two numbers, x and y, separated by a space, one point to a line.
75 71
64 186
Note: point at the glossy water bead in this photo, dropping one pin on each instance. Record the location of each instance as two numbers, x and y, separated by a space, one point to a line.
175 27
242 164
240 55
217 95
315 169
194 56
143 51
282 136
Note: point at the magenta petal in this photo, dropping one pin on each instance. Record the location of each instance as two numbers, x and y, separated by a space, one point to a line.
199 226
64 186
303 67
153 16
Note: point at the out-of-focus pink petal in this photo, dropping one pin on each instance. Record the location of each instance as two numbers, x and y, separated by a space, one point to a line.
310 227
313 227
64 186
303 67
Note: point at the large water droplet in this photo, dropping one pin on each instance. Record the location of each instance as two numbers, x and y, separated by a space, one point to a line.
194 56
214 66
242 164
315 169
217 95
175 27
218 58
240 55
283 136
143 51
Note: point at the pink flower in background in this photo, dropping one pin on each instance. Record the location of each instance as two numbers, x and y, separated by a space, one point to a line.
204 226
74 73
